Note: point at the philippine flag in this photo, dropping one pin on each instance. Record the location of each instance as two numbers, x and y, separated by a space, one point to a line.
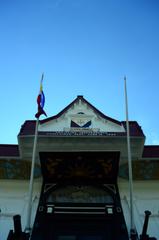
41 100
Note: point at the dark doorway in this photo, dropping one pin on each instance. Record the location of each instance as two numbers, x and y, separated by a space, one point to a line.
79 197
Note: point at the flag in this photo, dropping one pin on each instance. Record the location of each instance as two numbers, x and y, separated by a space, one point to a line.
41 100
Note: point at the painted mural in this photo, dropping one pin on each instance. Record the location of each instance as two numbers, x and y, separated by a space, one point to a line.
16 169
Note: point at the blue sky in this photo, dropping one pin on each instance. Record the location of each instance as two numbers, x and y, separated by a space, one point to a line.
84 47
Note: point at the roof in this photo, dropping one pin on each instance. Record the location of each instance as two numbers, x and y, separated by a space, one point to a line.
9 150
151 151
134 128
28 128
80 97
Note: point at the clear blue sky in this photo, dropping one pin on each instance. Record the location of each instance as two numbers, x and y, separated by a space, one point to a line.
84 47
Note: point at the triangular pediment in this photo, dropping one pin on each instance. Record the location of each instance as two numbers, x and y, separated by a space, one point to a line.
81 115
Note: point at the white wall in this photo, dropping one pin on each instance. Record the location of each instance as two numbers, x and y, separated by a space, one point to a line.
146 197
14 198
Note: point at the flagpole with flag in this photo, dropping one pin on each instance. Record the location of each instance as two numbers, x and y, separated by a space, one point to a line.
132 226
40 102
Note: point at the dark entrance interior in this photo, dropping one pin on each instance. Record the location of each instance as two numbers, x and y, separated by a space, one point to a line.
79 197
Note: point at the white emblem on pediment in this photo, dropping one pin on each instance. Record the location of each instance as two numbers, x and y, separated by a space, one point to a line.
81 120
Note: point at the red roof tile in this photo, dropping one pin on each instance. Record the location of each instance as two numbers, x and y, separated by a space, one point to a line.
28 128
9 150
134 128
151 151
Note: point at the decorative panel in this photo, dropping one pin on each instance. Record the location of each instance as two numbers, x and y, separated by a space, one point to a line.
17 169
80 166
79 194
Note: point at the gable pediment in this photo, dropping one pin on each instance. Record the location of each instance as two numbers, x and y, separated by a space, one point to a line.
81 115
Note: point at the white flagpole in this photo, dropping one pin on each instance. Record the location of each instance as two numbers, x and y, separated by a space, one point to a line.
28 226
29 208
129 163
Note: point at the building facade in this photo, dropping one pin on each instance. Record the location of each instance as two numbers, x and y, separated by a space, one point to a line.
80 177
